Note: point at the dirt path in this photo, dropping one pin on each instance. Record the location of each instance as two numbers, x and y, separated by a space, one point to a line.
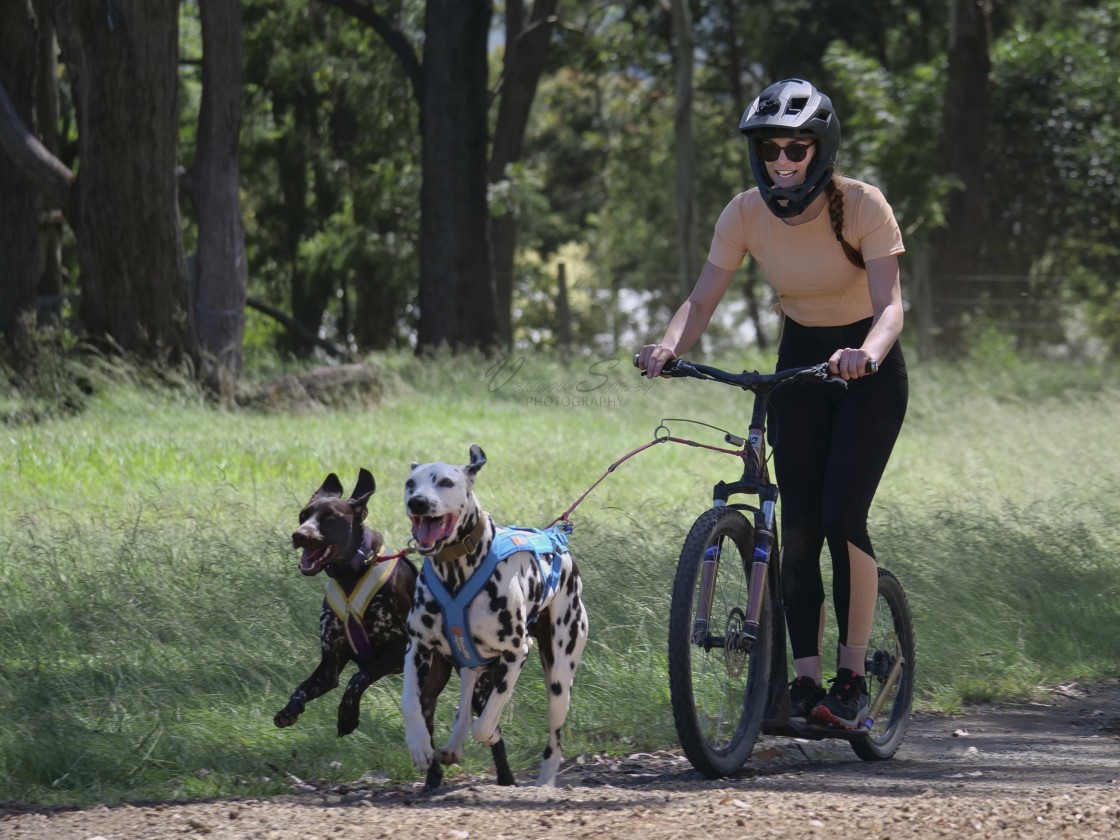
1028 771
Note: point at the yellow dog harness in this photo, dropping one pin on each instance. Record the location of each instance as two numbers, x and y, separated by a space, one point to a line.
351 609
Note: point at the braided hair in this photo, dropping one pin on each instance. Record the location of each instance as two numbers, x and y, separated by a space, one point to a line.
836 213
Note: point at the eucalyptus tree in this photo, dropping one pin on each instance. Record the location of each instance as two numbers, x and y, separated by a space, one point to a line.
965 123
121 66
466 275
526 47
122 62
457 303
213 184
19 233
684 149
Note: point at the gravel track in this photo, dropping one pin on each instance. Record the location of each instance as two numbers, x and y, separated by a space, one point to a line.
1037 770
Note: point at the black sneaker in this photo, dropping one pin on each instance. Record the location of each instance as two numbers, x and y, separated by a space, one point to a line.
804 694
846 703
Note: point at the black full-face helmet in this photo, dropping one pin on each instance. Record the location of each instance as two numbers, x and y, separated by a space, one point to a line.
792 108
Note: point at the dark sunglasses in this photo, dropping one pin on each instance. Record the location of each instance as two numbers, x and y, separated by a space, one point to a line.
768 150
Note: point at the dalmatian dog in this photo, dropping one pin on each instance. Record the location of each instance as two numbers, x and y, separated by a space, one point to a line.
484 594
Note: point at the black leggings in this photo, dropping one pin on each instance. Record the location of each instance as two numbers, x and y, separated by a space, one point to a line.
830 447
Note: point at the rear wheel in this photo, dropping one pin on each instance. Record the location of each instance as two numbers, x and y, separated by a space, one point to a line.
890 672
717 675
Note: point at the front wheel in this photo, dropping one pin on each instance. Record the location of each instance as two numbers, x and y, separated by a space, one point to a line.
890 672
717 673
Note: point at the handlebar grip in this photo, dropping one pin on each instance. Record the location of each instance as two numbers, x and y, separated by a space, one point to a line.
872 366
667 370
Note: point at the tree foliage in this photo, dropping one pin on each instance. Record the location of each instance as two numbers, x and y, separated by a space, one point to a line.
332 172
1055 162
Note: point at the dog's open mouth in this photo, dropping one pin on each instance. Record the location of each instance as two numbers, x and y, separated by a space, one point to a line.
430 531
314 560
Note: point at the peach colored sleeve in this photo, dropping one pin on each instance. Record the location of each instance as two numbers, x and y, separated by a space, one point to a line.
729 242
879 232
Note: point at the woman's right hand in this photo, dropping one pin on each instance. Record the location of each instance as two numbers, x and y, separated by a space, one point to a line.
652 358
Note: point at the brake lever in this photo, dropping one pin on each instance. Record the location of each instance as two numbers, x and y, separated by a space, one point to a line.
870 369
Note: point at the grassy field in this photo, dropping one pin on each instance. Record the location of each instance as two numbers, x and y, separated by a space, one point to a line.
154 620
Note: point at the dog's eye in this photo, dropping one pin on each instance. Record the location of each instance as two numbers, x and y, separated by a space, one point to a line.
408 485
446 482
303 516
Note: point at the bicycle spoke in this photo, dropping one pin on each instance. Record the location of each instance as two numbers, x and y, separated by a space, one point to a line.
717 672
890 672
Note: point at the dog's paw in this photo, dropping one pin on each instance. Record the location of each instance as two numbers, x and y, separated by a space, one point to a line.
547 775
484 734
434 778
289 714
447 755
420 749
348 716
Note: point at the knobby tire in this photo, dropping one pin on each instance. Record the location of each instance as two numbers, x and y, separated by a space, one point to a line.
718 695
892 637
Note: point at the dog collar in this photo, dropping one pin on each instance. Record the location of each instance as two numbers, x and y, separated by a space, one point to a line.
468 544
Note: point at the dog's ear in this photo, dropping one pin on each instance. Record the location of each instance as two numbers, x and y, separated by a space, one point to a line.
365 486
478 459
331 487
415 464
358 505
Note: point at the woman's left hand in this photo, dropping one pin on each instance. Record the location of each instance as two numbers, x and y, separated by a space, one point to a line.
849 363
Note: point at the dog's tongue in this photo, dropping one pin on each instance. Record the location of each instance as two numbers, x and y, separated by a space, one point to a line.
429 530
314 559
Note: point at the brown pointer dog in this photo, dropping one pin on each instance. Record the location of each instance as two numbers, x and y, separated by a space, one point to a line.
364 612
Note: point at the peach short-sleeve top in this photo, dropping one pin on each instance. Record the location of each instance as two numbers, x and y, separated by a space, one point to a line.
817 285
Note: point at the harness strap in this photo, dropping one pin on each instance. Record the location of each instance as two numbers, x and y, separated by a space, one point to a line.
552 541
351 609
455 625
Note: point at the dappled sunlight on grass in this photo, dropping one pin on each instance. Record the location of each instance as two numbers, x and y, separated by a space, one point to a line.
155 620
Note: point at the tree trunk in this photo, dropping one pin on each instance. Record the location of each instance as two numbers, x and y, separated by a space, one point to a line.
19 217
735 78
457 303
212 183
122 58
684 151
966 115
48 113
457 296
526 53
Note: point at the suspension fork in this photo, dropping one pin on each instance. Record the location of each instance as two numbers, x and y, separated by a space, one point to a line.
763 541
708 573
753 478
760 562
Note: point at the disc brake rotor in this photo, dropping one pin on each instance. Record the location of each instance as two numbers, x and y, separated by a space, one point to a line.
735 652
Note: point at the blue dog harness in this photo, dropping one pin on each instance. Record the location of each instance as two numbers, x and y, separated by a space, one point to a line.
543 544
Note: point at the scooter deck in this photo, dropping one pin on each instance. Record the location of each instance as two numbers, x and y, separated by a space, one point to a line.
801 728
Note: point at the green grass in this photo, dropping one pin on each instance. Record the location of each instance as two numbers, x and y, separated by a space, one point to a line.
153 619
